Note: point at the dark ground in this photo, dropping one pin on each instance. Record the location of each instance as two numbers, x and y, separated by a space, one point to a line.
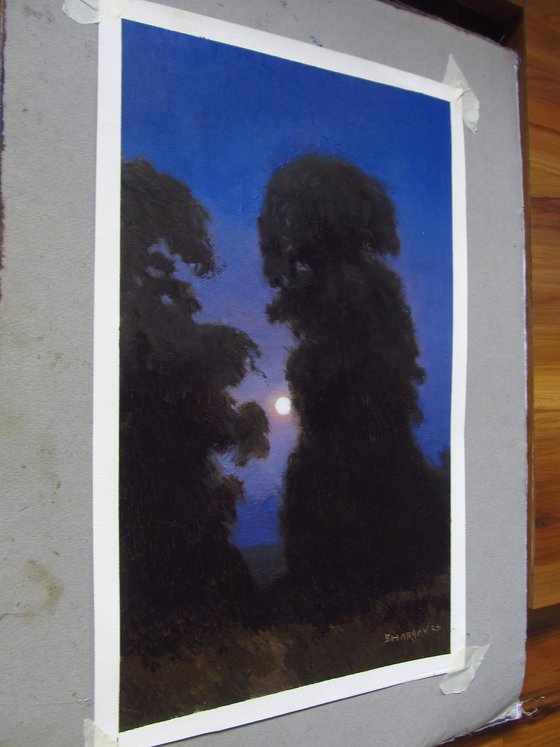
238 663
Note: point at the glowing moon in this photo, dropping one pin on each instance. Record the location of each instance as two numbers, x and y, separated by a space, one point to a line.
283 406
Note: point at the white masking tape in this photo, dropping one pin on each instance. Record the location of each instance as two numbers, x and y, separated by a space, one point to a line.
471 105
463 670
94 737
94 11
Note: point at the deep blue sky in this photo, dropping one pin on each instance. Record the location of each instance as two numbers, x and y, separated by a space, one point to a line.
222 119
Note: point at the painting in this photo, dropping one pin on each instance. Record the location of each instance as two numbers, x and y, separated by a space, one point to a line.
279 376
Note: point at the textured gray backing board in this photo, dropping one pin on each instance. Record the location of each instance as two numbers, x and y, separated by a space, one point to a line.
48 182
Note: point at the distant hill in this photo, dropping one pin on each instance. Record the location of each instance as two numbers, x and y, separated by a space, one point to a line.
266 563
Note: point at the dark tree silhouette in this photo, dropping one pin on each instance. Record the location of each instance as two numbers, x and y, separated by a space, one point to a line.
176 506
364 510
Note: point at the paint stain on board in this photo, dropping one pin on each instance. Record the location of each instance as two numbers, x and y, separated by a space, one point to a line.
38 15
43 591
41 577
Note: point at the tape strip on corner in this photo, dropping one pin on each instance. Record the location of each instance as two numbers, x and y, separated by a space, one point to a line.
94 11
95 737
463 670
470 104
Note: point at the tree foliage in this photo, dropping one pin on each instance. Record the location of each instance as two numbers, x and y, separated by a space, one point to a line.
177 415
364 510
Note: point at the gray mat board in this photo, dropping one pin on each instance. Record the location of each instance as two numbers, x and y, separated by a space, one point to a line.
46 369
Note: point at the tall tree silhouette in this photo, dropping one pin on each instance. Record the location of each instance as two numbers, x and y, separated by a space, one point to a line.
176 506
364 511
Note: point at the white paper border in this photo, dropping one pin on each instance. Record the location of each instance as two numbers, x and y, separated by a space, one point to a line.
106 383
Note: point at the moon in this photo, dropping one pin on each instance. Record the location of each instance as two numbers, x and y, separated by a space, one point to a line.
283 406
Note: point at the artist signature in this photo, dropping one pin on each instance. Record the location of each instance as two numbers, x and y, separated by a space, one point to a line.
412 635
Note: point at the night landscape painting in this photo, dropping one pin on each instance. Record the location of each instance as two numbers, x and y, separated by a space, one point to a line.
286 339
